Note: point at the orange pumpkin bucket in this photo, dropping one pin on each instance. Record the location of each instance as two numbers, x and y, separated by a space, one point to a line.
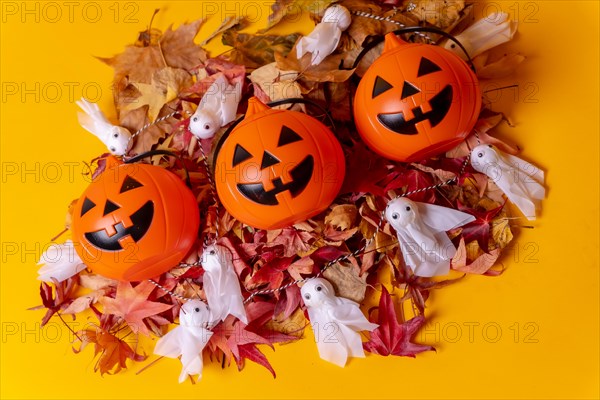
416 101
278 167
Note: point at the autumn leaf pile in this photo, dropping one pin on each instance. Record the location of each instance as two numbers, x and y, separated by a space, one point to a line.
166 72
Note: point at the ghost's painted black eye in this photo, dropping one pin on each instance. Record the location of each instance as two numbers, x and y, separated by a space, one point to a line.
395 216
490 146
195 119
319 288
116 135
480 154
307 296
212 252
207 126
113 149
197 309
407 208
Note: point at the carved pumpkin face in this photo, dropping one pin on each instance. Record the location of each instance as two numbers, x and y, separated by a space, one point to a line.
278 167
416 101
135 221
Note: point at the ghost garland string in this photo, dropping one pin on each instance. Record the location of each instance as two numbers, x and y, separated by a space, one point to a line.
283 213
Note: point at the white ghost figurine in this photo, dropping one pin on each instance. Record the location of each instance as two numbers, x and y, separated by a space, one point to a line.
324 39
421 230
335 321
483 35
188 339
221 285
60 262
217 108
116 138
520 181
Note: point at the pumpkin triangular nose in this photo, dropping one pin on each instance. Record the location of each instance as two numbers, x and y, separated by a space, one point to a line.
110 207
268 160
409 90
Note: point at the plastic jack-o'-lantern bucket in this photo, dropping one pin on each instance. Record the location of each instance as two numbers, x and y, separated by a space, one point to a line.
416 101
278 167
135 221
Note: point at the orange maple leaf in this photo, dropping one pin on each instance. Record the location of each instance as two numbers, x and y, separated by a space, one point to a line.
113 351
132 305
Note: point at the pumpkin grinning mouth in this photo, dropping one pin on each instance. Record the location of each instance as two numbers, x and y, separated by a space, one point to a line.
300 174
141 219
440 105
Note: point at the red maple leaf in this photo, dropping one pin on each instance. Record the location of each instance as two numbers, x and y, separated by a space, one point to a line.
240 340
480 228
391 337
411 180
293 241
271 274
132 305
64 292
359 160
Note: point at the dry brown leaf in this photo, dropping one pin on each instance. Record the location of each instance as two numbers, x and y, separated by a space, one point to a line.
276 84
95 282
441 174
82 303
239 22
347 281
362 27
176 49
254 51
342 216
501 232
327 71
294 325
282 8
135 119
165 87
442 14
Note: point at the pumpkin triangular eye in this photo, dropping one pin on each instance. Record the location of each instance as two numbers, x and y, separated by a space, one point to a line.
129 184
87 206
240 155
380 86
408 90
426 67
287 136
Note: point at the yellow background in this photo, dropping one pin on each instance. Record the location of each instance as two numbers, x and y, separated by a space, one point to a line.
549 291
